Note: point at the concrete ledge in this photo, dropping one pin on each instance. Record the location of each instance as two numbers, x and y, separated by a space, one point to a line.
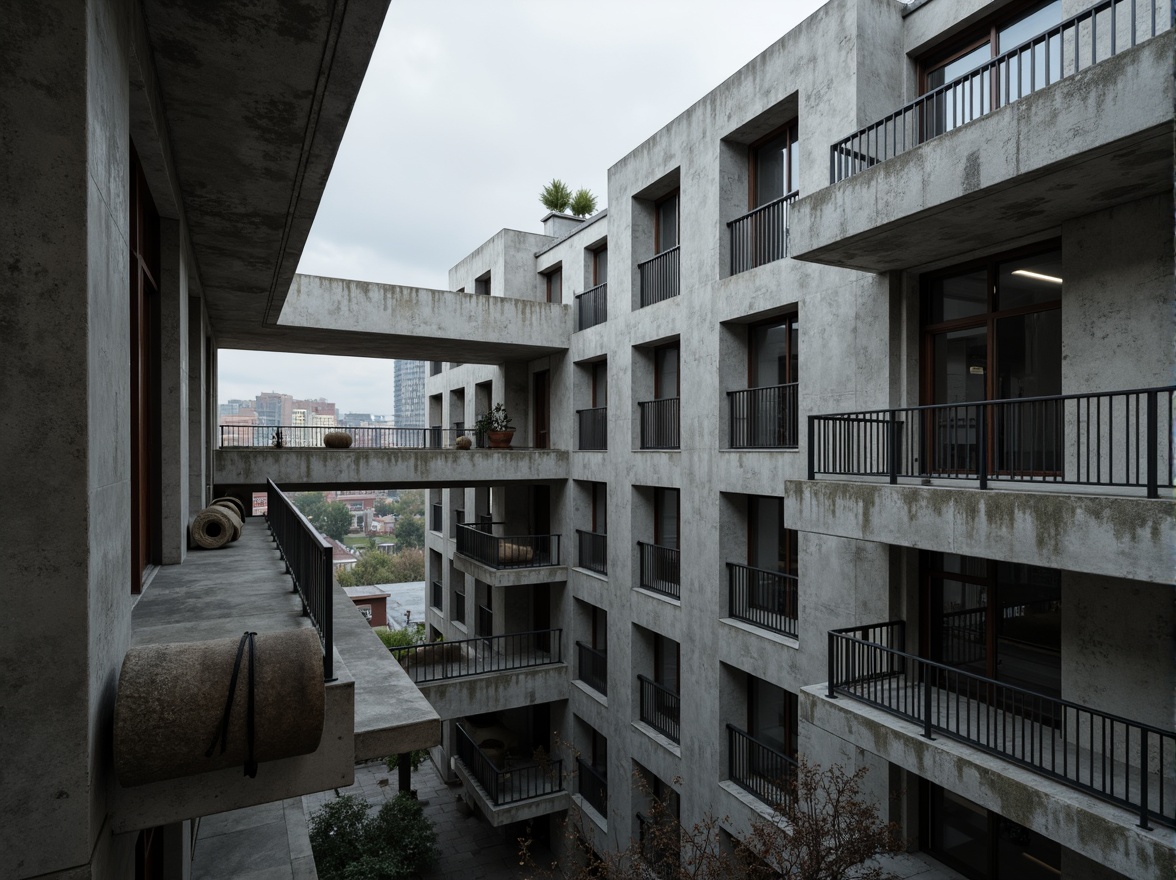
316 469
589 811
1024 168
519 811
1106 535
497 691
510 577
1096 829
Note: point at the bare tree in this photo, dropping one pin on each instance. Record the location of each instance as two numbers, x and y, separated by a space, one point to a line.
823 829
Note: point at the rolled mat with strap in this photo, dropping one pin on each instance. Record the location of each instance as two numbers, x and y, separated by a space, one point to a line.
192 707
230 501
212 528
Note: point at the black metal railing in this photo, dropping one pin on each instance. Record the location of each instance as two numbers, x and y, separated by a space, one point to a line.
506 551
460 658
592 306
660 569
1120 439
1113 758
659 277
1093 35
661 708
311 436
660 423
592 667
458 519
484 621
513 783
309 561
763 598
437 596
764 418
759 768
593 786
593 551
435 520
660 845
761 235
593 428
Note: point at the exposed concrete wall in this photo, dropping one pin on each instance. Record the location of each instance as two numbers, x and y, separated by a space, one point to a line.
64 363
175 384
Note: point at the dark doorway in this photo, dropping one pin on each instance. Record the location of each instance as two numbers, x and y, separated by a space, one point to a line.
542 409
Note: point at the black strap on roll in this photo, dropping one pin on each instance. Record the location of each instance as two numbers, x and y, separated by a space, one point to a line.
223 736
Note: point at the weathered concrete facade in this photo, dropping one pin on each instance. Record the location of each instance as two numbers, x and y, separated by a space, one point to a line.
1081 166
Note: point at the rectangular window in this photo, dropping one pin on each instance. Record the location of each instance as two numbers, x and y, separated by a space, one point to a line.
600 508
600 384
667 663
775 166
772 716
482 285
665 232
773 353
665 371
554 285
600 266
666 518
770 545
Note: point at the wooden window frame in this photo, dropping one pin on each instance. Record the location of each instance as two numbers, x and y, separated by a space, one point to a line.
657 230
549 275
792 126
657 370
596 369
596 279
790 319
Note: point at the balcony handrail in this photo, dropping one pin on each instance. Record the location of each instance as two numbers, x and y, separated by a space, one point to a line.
741 607
660 569
661 423
592 667
592 306
765 789
666 716
309 560
658 255
502 785
477 541
596 791
878 662
592 428
846 159
594 289
764 417
787 198
1106 438
659 276
362 437
592 551
461 658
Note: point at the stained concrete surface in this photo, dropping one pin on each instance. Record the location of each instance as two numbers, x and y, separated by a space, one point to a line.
266 842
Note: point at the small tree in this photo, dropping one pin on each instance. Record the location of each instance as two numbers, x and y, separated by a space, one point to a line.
384 507
410 502
372 568
583 203
826 830
556 196
410 532
310 503
334 520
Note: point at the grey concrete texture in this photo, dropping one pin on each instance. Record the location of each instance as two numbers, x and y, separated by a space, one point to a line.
171 704
298 470
971 187
328 315
266 842
497 691
1094 829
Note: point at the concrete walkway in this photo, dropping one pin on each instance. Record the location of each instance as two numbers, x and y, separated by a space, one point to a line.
470 848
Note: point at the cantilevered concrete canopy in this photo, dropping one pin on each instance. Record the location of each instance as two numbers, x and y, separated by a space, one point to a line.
1099 138
365 319
256 97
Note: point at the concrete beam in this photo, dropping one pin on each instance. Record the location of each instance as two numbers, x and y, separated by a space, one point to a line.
1092 827
519 811
1113 536
318 469
510 577
498 691
1025 168
365 319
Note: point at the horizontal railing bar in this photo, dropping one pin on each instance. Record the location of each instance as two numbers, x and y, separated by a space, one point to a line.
786 198
659 256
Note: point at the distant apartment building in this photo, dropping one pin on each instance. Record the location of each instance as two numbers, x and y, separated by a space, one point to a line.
408 394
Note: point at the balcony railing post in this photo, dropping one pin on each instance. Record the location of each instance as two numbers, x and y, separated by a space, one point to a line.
982 445
892 452
832 665
927 703
1153 445
1143 793
812 447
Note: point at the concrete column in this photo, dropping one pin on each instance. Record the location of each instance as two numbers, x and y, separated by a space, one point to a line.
64 192
173 393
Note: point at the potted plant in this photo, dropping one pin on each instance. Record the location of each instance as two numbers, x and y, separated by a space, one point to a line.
495 425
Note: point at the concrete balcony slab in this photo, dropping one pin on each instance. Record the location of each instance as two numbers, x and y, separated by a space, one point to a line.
300 470
510 577
497 691
1022 169
1092 827
372 708
516 811
1113 536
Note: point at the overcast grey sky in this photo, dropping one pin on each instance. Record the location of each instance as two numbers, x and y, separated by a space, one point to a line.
467 109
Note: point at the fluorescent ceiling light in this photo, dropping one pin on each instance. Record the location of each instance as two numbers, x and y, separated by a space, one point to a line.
1053 279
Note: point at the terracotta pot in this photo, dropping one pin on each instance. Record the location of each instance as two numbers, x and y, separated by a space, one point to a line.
500 439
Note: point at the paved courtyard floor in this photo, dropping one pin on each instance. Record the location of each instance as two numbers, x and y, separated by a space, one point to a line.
470 849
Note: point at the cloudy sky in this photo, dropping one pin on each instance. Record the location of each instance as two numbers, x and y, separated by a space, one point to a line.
467 109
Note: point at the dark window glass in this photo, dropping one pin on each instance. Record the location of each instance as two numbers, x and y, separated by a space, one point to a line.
555 286
600 266
666 372
666 511
774 359
667 223
1029 281
771 715
960 296
776 167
